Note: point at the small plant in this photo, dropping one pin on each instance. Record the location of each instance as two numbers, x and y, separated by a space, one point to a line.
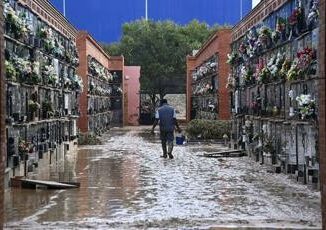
24 147
33 106
306 106
88 139
10 71
294 72
232 58
208 129
47 106
264 75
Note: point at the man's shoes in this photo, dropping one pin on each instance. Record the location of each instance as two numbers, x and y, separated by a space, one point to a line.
170 156
164 156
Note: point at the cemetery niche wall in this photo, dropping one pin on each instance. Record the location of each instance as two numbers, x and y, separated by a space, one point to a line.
42 87
274 87
102 99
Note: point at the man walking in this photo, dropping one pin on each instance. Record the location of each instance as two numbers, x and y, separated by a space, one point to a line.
167 119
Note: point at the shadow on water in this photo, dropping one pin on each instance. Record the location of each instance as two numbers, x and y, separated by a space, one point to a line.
125 184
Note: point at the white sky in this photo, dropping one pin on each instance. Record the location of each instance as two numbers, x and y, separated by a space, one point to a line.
255 2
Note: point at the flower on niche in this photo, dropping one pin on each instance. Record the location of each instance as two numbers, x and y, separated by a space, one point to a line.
306 105
232 58
24 147
291 94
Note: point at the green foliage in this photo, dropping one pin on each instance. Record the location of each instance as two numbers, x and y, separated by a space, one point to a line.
208 129
160 48
88 139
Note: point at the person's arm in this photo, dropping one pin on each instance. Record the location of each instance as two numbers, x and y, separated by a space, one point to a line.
177 125
176 121
156 121
154 125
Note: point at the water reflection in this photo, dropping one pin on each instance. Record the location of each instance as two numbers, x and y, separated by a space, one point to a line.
124 184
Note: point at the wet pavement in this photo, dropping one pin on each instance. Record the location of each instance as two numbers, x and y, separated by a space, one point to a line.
126 185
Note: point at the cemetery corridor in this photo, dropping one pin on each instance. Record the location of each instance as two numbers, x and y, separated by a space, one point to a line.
125 184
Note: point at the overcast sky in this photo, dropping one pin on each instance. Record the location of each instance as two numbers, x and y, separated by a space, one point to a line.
255 2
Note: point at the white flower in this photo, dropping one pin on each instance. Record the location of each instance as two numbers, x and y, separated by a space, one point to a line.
291 94
304 99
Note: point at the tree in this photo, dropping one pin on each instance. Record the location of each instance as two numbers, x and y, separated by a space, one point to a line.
160 48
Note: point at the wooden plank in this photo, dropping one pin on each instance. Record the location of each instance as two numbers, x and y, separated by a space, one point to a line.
228 153
27 183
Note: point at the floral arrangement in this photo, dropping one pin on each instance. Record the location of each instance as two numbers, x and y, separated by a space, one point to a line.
294 72
98 90
10 70
47 108
231 82
77 83
286 65
49 75
200 72
297 19
119 90
265 35
33 106
202 89
49 45
91 87
45 33
280 24
259 67
100 71
232 58
71 55
313 15
15 21
22 65
275 64
306 58
57 49
306 106
66 82
243 48
276 36
264 75
295 16
248 76
75 58
24 147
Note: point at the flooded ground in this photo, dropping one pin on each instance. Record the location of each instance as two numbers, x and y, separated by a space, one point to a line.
126 185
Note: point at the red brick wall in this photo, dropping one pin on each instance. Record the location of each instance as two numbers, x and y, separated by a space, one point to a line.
53 17
219 43
117 63
3 151
86 45
224 48
190 66
82 72
322 128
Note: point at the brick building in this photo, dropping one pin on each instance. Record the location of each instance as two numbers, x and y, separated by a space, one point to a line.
275 101
132 97
101 100
207 74
42 88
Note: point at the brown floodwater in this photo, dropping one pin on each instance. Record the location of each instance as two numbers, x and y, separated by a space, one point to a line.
126 185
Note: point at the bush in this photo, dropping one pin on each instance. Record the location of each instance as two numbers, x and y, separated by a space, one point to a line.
208 129
88 139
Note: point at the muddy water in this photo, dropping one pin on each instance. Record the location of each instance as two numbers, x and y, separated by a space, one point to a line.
125 185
